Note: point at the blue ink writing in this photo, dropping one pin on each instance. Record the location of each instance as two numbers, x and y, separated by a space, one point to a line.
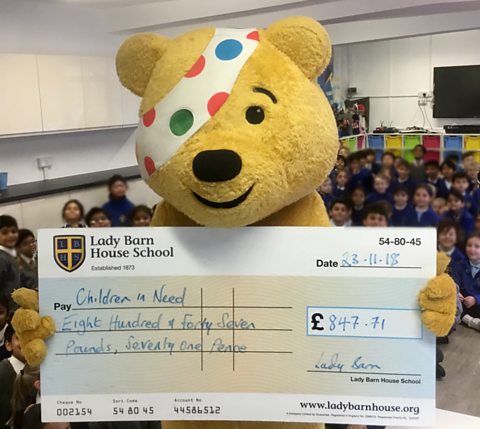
71 323
162 297
241 323
149 345
331 364
219 346
358 364
101 297
117 323
75 348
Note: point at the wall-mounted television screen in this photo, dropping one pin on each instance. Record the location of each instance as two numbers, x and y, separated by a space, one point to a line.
456 92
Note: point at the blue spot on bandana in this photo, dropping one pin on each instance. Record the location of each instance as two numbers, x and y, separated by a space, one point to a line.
228 49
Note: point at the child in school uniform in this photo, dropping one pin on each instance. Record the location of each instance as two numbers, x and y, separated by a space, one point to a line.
423 214
447 168
73 214
370 161
118 205
458 213
403 177
25 393
417 171
359 175
9 369
447 239
341 163
9 269
468 160
380 193
375 215
341 179
140 216
432 171
358 204
466 275
439 206
340 213
461 183
4 318
97 218
26 250
388 161
401 208
325 190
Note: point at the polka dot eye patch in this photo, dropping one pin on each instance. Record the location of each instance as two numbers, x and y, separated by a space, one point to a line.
201 92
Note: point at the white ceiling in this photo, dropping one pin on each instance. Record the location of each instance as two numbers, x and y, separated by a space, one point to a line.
347 20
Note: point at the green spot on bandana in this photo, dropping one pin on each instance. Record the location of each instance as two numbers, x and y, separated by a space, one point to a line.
181 121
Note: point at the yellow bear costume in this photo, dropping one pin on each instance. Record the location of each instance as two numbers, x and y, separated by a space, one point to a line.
258 158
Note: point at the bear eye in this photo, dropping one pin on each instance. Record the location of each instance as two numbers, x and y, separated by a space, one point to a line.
255 115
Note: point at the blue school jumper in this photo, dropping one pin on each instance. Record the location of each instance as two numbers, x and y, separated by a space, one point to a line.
440 186
461 273
363 178
470 203
476 198
464 220
457 255
429 218
409 184
357 217
327 200
118 210
339 193
376 197
399 217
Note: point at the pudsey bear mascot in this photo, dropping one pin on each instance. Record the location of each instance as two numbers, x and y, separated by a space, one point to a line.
235 131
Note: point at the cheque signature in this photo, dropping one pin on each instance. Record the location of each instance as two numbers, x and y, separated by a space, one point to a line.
335 363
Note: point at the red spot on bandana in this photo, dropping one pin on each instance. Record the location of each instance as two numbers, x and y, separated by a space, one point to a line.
149 165
216 101
149 117
197 68
253 35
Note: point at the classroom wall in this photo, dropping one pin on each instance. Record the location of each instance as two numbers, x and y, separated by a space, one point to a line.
72 153
33 27
392 72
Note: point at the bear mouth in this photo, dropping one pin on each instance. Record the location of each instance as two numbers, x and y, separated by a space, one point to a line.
225 205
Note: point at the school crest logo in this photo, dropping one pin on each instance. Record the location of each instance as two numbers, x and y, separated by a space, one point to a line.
69 251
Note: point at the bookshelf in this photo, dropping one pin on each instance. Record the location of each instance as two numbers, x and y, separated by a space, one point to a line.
437 146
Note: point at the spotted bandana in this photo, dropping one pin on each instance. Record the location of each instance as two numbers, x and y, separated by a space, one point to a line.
195 99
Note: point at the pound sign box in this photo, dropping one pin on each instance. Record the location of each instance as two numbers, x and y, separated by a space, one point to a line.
263 324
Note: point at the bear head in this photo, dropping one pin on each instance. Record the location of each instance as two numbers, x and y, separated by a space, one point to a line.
233 124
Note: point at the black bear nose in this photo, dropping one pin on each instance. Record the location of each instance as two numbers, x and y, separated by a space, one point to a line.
216 165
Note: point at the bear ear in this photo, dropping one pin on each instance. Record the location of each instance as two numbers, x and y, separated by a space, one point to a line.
305 41
136 60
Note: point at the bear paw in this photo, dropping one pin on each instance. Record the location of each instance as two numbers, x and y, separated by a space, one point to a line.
48 326
26 298
35 352
25 320
438 303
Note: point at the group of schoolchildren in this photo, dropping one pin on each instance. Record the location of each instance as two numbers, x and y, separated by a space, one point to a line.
361 192
20 391
117 211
